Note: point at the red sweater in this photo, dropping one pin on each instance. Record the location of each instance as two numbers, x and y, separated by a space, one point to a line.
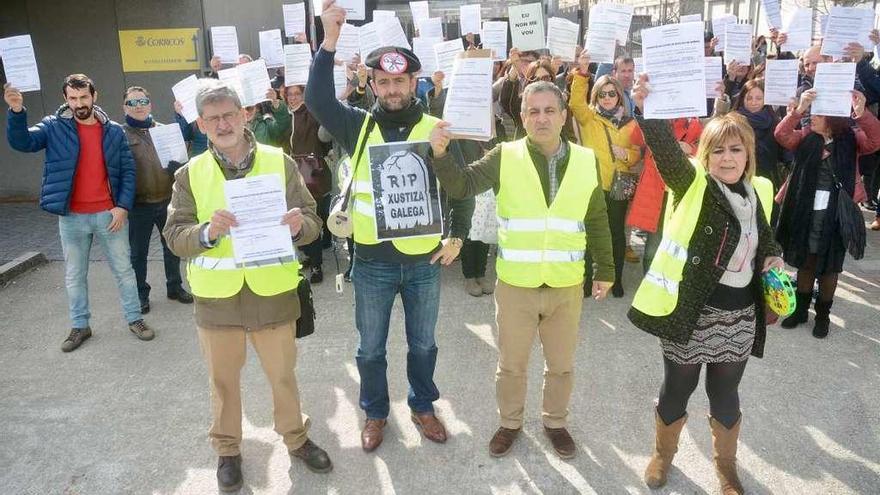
91 189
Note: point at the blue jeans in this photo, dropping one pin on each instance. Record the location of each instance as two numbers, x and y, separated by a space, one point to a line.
376 285
77 233
141 220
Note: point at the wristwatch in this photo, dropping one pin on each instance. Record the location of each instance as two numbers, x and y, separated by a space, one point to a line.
455 241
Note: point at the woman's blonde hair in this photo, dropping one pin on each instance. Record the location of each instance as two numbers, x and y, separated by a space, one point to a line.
601 83
721 129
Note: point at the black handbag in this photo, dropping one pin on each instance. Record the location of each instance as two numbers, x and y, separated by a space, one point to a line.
305 325
623 184
850 222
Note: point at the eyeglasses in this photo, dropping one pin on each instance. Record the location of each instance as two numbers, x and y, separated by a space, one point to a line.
137 102
608 94
227 117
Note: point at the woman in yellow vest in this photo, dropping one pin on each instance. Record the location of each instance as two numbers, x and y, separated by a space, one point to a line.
702 295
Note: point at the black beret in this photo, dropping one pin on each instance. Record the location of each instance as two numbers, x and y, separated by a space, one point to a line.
394 60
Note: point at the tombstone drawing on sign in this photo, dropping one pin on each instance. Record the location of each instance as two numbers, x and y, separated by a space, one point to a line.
405 196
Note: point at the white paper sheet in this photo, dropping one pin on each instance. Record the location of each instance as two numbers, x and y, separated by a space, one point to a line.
738 43
355 10
799 30
224 43
271 48
254 78
368 39
638 66
780 81
620 15
431 28
424 50
340 80
691 18
258 204
719 25
834 85
470 18
847 25
494 37
673 56
348 44
562 38
230 76
773 13
527 26
446 51
297 59
601 37
468 105
391 33
294 19
420 11
20 63
169 144
185 92
713 75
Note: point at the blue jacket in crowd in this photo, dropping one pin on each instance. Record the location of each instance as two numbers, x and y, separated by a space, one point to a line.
57 134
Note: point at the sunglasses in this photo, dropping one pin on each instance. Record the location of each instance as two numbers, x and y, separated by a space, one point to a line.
137 102
608 94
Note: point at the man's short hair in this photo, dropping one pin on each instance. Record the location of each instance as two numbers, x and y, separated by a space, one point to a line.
623 60
543 87
212 91
132 89
77 81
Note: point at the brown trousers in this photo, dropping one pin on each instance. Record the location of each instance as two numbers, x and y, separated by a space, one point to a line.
554 315
224 350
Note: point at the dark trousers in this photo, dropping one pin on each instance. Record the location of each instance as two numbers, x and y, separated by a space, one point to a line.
473 258
616 222
142 218
315 250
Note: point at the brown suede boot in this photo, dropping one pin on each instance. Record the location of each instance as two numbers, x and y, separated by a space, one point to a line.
724 448
665 447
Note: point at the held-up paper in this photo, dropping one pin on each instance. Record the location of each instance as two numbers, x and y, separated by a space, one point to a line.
297 59
494 37
713 75
355 10
224 43
562 38
780 81
719 26
259 204
527 26
446 52
185 93
673 56
348 44
847 25
254 78
294 19
638 66
391 33
20 63
169 144
799 30
368 36
738 43
601 37
271 48
420 11
620 15
424 50
834 85
340 80
773 12
470 17
230 76
468 106
431 28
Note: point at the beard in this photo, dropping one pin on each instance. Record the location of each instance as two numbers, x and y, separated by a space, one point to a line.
83 113
400 102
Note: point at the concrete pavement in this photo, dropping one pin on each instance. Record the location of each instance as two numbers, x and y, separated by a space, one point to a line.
121 416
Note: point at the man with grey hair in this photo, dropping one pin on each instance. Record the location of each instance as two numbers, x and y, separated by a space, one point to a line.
550 208
233 302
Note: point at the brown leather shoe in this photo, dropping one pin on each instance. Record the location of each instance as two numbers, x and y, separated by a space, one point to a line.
430 426
562 442
371 435
502 441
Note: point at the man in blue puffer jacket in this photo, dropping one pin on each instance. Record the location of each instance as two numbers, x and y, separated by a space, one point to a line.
88 180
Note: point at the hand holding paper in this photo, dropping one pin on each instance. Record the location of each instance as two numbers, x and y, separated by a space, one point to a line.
13 97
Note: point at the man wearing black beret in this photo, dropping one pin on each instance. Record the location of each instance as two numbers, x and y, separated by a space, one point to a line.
383 269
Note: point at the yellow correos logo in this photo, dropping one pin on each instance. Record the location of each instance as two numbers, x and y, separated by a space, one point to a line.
151 50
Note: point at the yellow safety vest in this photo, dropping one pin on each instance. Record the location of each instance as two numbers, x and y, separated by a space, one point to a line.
364 215
214 273
658 293
540 244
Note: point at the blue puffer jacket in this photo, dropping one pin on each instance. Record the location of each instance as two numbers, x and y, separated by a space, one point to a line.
58 136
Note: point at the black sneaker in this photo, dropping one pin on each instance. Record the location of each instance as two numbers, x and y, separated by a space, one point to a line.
317 275
76 338
141 330
145 306
314 457
229 477
181 296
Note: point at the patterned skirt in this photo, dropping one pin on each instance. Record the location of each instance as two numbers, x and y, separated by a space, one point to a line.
721 336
